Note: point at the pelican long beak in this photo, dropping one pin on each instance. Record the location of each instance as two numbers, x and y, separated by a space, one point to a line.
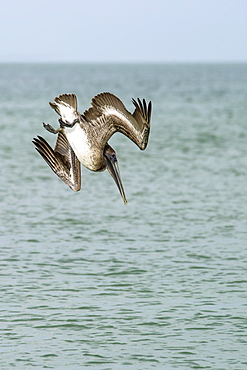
112 166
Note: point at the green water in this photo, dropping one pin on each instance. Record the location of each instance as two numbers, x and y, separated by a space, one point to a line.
87 282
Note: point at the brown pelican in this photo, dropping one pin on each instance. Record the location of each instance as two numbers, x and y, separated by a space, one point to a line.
84 137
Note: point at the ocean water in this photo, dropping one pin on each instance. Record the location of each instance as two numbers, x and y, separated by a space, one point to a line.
87 282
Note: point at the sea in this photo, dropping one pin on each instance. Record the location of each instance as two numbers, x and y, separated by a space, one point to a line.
160 283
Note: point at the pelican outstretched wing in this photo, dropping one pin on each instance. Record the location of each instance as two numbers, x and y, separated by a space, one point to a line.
110 115
62 160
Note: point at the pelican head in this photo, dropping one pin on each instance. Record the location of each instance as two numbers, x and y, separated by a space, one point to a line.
112 166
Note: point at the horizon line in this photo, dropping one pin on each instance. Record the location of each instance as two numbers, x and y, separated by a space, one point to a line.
124 62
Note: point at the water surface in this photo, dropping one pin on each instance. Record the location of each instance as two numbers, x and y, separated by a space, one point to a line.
160 283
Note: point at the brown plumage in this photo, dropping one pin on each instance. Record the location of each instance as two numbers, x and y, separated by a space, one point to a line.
84 137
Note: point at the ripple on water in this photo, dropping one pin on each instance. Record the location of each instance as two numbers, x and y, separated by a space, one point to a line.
160 283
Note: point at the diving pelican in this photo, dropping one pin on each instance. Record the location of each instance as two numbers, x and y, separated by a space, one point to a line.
83 138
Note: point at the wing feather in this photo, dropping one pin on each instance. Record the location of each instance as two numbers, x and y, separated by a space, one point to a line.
62 160
109 113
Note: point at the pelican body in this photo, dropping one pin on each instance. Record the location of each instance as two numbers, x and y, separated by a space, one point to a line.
83 138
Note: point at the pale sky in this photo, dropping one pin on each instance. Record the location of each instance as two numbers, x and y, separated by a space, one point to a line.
123 31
